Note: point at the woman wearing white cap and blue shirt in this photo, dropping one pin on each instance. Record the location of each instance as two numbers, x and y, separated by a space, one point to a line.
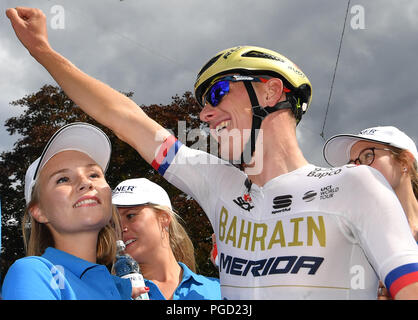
388 150
73 226
158 242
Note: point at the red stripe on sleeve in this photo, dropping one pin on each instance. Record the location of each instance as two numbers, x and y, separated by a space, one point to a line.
402 282
162 153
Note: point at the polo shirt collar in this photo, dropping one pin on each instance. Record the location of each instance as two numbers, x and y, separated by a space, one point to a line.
76 265
187 274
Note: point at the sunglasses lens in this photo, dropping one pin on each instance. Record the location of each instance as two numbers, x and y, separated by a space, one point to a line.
217 92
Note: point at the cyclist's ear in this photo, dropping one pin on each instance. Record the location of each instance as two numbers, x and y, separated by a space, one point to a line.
273 92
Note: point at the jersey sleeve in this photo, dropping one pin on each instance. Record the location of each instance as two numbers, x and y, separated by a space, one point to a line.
29 279
195 172
382 229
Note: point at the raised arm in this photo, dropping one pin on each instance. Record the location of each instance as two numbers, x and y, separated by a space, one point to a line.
106 105
409 292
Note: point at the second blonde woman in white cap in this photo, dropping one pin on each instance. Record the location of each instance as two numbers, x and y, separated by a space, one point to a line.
158 242
388 150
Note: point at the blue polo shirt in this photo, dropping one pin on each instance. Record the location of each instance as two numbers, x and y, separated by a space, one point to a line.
57 275
192 287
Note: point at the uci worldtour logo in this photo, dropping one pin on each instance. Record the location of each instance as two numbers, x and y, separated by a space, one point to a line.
282 203
328 192
325 193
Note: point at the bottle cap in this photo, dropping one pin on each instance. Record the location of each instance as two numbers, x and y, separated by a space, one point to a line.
120 245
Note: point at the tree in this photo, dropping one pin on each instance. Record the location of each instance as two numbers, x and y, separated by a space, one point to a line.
49 109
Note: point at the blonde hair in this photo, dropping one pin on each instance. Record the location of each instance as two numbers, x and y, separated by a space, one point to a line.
414 178
37 237
406 159
180 242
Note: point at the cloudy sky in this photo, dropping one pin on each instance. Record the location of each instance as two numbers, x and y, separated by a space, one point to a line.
155 48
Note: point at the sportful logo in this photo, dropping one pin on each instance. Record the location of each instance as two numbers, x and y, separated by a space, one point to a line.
282 203
309 196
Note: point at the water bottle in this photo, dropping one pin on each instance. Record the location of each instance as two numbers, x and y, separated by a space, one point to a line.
126 267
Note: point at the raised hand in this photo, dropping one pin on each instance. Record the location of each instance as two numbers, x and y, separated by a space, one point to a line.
29 25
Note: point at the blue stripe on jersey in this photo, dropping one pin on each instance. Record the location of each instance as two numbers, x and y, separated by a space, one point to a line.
171 153
399 272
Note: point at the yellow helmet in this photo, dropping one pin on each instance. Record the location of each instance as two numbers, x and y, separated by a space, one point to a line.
249 60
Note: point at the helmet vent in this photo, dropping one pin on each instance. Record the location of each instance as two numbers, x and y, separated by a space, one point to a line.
207 65
258 54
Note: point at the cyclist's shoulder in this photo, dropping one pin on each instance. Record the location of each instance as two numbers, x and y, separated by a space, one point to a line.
360 179
347 174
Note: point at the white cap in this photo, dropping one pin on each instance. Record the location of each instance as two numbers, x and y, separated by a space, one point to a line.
135 192
77 136
337 148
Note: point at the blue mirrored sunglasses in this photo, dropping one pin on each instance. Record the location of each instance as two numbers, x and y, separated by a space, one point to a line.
220 88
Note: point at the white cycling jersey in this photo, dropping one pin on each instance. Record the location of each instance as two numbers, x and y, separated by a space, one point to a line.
313 233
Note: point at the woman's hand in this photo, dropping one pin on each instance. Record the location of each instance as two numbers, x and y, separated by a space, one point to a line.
137 291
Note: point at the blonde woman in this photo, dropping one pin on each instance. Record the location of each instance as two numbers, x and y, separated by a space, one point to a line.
155 238
70 225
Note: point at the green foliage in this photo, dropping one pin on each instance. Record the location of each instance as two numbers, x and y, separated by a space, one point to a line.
46 111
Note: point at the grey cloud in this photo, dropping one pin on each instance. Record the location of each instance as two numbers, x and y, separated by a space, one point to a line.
155 48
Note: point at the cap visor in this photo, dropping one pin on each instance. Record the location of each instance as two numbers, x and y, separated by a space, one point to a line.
80 137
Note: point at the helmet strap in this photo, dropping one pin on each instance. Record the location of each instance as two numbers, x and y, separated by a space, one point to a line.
259 114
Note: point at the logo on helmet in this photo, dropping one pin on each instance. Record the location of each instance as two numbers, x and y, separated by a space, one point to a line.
296 70
229 52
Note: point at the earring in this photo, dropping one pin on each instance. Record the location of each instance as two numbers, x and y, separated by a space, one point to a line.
405 169
163 233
